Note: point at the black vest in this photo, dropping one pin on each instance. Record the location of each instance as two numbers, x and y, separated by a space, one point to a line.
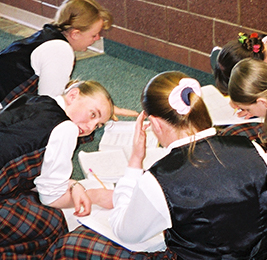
15 63
217 199
26 127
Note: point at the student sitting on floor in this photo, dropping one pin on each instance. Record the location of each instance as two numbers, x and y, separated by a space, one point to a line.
254 46
38 137
43 62
209 205
247 90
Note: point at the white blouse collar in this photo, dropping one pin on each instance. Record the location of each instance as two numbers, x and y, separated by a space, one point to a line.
200 135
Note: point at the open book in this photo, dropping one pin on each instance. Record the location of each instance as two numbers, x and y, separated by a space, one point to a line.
115 149
219 108
98 221
120 135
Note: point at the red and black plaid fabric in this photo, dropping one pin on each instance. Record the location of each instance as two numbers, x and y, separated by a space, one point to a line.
18 174
86 139
254 131
30 86
84 243
27 228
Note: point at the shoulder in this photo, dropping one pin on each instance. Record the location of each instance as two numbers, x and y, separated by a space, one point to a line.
65 131
52 53
55 46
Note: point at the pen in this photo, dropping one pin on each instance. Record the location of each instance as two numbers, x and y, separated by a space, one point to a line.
97 178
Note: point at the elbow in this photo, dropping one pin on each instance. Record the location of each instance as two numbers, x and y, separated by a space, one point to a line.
127 236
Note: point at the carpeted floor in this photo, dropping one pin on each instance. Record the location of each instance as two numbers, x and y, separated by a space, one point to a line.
124 72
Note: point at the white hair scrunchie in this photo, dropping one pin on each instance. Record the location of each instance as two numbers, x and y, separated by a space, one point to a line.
179 97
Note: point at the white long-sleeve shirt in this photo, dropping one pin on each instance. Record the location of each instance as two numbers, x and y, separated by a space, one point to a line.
140 208
57 164
53 62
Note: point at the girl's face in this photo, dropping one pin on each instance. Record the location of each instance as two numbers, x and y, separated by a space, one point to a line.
87 112
81 40
255 109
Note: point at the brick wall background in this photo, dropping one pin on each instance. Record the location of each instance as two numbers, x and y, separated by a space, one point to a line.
184 31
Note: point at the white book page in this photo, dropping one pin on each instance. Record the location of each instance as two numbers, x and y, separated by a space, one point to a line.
219 108
98 221
121 133
107 165
72 220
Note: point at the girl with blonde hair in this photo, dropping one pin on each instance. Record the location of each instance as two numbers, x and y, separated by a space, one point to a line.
43 63
38 138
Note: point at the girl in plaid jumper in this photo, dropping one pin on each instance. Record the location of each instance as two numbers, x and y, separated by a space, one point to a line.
38 137
43 63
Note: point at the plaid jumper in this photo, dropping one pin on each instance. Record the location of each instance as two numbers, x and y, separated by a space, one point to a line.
27 228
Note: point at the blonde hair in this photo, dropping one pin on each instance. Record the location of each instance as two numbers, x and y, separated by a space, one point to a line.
90 88
81 15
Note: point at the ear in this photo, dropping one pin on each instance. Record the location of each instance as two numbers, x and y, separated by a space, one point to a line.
262 101
74 34
72 95
156 124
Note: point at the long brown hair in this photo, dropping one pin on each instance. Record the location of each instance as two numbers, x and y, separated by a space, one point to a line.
155 102
248 82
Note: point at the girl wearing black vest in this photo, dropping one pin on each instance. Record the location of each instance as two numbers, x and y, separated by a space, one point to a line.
38 137
208 195
42 63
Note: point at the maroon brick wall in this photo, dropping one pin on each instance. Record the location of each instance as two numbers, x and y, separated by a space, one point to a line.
184 31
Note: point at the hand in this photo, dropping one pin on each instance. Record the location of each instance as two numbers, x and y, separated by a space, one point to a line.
81 200
245 114
240 113
139 142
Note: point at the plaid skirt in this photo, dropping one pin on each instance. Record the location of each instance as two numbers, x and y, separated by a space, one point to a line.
254 131
84 243
28 228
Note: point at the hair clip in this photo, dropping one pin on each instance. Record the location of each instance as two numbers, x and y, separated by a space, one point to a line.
256 48
74 85
254 35
179 96
242 37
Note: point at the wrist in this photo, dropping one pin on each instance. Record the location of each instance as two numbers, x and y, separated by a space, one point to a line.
75 184
135 162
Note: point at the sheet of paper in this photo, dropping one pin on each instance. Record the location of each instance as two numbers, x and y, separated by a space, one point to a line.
98 221
120 134
219 108
107 165
72 220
